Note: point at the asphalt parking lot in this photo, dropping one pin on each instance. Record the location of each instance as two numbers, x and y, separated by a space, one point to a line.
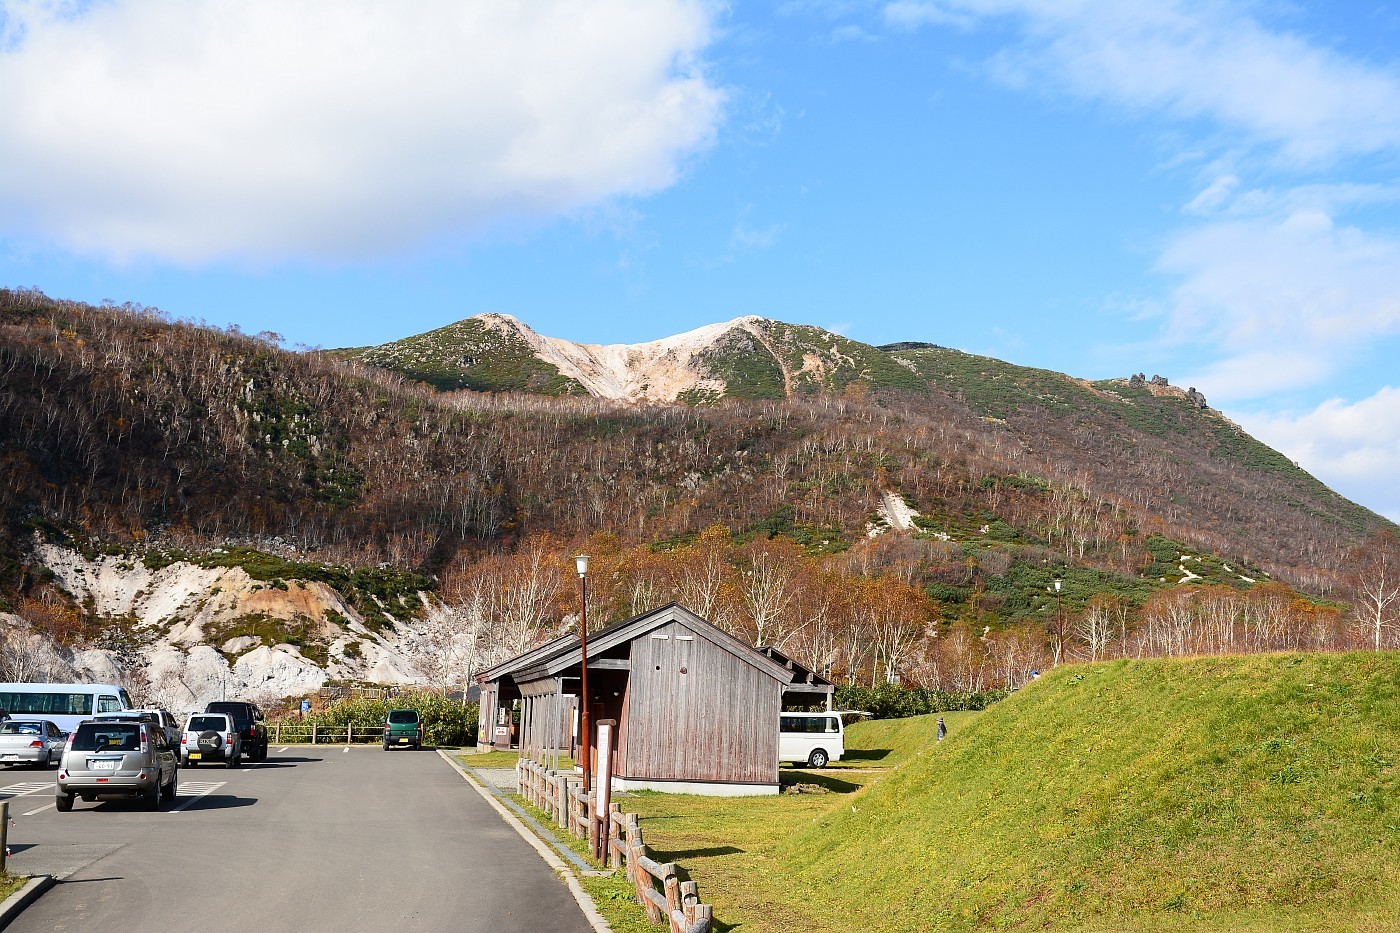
313 838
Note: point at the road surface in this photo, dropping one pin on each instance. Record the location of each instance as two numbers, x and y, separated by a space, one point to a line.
314 838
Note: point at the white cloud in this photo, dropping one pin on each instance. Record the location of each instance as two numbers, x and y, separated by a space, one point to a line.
745 237
1353 447
913 14
266 130
1194 59
1283 298
1216 194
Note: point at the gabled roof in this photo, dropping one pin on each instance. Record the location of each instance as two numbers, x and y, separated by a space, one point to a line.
563 642
801 674
562 653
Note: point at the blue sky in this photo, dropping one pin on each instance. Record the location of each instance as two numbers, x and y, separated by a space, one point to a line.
1205 190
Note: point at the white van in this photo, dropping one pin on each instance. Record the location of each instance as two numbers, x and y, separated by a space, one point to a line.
65 705
811 738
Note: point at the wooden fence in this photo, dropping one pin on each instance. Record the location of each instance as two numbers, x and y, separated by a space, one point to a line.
660 891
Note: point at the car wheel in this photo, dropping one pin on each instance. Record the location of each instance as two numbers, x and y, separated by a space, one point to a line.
153 796
818 759
174 785
64 802
232 760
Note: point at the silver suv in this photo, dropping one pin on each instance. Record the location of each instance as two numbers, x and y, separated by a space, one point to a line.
210 738
110 758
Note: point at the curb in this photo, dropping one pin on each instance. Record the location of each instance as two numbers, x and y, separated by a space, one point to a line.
551 858
14 904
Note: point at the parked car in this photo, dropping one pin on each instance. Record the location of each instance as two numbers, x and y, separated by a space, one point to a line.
814 739
249 721
209 738
403 728
110 758
35 742
160 717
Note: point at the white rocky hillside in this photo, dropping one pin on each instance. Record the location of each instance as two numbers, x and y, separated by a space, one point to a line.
193 634
658 370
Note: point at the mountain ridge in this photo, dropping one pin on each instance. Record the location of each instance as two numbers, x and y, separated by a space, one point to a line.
746 357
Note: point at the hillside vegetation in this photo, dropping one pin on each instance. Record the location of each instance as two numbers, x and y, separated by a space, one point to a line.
1251 793
128 434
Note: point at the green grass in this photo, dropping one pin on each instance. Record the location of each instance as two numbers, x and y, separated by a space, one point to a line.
9 884
1209 794
731 845
490 760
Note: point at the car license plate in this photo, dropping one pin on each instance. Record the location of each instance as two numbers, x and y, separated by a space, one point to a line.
12 758
195 756
103 765
403 741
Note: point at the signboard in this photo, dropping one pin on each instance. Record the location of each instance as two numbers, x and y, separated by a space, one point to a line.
305 707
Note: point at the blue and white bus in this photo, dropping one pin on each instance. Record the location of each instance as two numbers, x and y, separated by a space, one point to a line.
65 705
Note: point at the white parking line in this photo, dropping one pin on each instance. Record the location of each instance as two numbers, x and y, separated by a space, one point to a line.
27 788
40 810
193 790
345 750
282 749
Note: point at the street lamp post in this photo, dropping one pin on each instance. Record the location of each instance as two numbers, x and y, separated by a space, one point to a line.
585 739
1059 625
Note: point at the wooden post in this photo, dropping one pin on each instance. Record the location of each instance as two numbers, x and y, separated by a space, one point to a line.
313 733
672 886
633 833
645 882
598 830
614 835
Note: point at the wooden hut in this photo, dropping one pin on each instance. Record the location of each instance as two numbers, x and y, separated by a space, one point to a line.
696 709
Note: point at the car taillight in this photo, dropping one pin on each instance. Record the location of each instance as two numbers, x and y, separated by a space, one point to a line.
36 744
228 739
184 740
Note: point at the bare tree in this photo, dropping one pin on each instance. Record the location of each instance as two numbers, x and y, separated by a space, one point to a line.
767 589
1375 586
29 656
1096 625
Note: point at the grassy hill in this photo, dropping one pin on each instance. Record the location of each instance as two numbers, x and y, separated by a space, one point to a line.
1226 793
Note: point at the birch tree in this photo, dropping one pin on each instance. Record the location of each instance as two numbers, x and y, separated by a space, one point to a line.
1375 587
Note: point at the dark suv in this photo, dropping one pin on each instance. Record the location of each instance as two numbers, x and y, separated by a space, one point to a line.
248 719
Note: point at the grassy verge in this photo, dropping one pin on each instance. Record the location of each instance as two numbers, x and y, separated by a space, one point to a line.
731 845
727 844
490 760
9 884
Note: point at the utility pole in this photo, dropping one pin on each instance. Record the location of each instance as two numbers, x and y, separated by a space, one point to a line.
1059 625
585 739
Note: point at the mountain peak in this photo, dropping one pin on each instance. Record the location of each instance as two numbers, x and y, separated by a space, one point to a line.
747 357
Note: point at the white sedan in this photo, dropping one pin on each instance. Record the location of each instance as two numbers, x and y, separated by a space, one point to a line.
31 742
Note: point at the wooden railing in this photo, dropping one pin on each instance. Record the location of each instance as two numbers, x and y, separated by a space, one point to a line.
660 891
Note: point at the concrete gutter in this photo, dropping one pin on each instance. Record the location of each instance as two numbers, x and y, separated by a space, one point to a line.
14 904
551 858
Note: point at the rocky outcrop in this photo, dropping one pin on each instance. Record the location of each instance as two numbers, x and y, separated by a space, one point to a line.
197 634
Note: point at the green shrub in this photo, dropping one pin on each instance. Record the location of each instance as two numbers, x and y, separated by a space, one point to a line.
891 701
445 721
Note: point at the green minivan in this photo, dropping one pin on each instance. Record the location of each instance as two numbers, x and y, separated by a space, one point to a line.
403 728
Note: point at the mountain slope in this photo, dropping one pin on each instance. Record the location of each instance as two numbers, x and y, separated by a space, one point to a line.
125 434
748 357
